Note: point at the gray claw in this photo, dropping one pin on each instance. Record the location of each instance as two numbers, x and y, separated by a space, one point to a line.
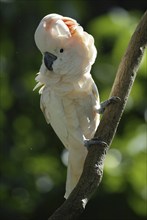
112 100
94 141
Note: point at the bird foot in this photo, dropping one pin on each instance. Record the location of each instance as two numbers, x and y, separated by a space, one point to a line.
94 141
103 105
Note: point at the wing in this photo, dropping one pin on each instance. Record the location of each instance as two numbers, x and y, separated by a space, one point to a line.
86 111
44 102
54 112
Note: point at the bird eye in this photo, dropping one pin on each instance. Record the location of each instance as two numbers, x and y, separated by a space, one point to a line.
61 50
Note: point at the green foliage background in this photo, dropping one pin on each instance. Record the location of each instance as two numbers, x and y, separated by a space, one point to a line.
32 157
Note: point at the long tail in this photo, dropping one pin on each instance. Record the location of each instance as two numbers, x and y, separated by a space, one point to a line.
76 161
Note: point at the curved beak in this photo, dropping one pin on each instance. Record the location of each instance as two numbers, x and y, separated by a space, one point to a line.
49 58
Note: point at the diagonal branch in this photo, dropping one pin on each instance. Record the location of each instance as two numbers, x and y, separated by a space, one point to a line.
93 168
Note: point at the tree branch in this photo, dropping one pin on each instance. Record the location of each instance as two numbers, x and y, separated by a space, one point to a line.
93 167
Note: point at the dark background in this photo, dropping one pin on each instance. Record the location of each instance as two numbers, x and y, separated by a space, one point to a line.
33 170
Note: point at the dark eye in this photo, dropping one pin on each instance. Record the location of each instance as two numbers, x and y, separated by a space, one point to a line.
61 50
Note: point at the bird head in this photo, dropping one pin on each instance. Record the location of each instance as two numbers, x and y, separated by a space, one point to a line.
65 46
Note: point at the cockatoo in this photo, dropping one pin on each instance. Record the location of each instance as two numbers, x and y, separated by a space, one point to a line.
69 96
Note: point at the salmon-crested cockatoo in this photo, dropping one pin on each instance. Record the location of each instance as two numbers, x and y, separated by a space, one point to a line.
69 96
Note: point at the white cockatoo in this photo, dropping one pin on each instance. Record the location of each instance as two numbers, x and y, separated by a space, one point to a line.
69 96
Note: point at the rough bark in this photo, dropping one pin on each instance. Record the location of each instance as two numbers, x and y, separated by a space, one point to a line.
93 168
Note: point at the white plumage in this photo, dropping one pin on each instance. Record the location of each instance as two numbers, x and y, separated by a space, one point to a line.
69 96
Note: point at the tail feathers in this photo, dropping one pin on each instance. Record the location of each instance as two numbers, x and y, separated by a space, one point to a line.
76 161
